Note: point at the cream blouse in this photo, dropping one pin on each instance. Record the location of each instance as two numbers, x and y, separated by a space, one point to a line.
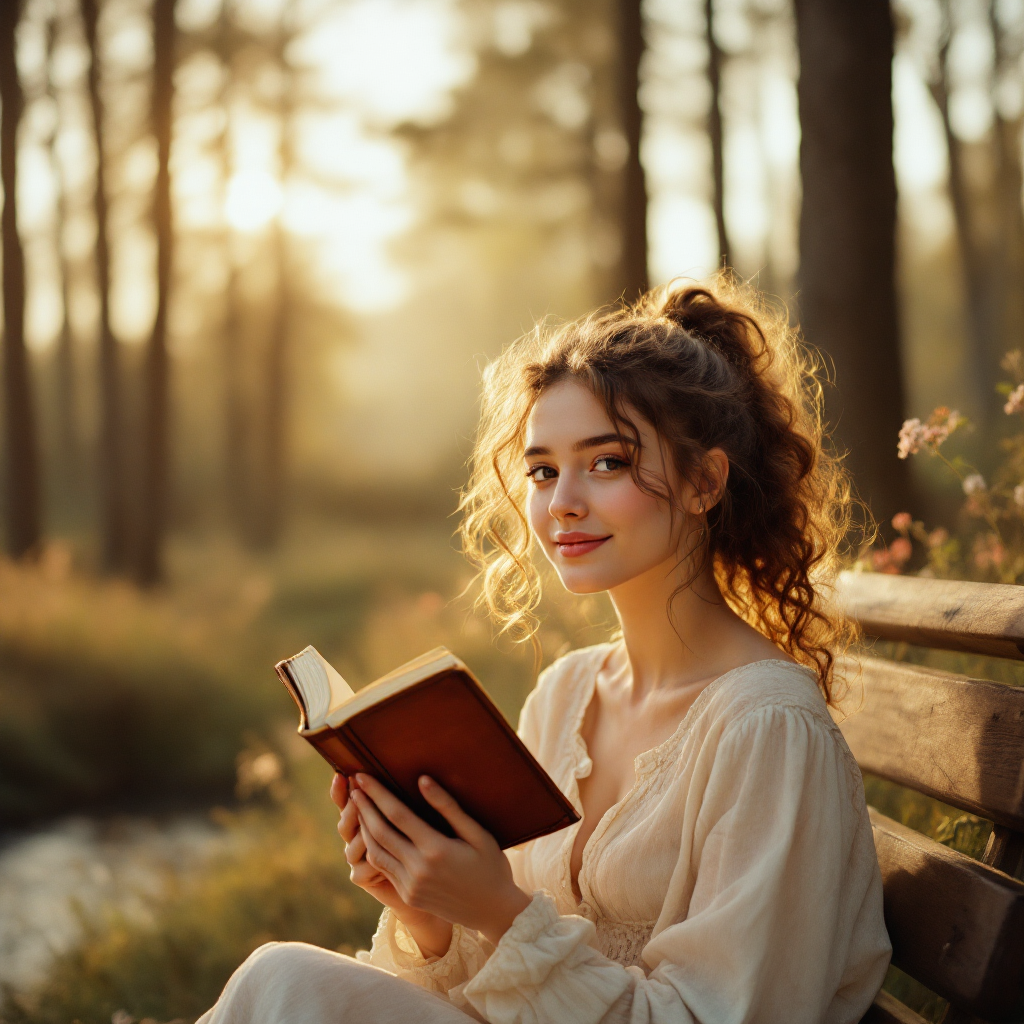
736 881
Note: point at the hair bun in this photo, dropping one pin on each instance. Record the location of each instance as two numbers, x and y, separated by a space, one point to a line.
733 334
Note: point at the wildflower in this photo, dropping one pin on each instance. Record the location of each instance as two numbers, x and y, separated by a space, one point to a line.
901 549
902 522
912 436
1013 363
892 559
938 537
989 552
1015 403
1018 495
974 484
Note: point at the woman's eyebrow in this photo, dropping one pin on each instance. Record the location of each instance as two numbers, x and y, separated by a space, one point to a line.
600 439
584 444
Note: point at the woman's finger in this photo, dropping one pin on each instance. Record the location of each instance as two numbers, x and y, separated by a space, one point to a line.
379 858
348 823
355 849
380 829
365 876
406 821
443 802
339 790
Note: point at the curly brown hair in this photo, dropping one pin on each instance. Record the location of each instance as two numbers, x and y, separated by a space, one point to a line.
708 366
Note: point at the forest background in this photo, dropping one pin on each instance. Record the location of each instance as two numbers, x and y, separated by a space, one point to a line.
257 255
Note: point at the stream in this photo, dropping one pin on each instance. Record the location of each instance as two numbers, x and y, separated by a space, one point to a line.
77 867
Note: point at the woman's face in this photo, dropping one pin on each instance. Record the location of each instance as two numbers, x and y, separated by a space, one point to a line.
597 528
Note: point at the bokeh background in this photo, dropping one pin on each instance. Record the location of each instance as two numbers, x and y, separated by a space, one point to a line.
255 256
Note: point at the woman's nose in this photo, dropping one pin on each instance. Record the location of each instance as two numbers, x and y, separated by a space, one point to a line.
567 499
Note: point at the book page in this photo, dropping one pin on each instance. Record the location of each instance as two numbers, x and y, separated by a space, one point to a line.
321 686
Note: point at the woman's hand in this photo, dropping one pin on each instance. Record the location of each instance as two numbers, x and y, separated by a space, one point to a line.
466 880
432 935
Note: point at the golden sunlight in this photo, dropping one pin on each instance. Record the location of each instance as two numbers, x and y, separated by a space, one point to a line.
253 200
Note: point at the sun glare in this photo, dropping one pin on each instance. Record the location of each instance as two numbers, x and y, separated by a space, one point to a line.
253 200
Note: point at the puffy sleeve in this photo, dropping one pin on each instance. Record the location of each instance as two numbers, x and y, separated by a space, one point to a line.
761 922
395 950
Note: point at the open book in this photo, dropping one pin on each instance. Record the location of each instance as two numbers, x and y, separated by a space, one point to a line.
428 717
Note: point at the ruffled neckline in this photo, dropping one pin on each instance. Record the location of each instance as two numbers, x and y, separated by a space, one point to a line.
645 764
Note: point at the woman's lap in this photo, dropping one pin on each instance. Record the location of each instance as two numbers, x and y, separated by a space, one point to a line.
294 983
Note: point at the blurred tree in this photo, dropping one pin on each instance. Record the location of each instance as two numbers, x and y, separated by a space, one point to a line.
277 391
634 195
23 491
238 488
848 300
69 442
1008 129
715 133
113 497
981 303
155 490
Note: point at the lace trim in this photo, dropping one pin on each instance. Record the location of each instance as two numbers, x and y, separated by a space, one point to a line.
623 941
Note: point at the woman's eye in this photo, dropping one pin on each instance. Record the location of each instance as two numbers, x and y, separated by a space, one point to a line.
609 463
540 473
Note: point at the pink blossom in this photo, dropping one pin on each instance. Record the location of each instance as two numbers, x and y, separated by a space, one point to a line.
989 552
1018 495
912 436
938 537
915 435
1015 403
901 549
902 522
974 484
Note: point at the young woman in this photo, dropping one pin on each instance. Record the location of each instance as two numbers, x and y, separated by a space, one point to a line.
723 870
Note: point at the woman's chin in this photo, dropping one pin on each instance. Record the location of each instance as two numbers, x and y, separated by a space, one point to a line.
583 582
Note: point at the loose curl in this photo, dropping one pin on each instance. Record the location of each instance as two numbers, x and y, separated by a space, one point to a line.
708 366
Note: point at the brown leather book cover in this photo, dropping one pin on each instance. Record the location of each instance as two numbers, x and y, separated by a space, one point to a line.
443 725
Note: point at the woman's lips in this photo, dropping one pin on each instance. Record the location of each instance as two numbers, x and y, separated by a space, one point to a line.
572 545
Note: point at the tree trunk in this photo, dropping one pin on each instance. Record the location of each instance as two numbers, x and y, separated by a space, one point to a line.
69 442
236 461
1009 270
153 511
634 197
277 388
980 320
847 234
278 402
23 498
113 510
715 133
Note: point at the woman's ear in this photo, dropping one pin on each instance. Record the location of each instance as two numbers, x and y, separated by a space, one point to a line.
713 478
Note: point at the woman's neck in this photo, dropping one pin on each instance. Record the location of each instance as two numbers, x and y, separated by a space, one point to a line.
678 652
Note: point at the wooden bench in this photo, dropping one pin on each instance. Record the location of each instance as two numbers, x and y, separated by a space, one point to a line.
956 924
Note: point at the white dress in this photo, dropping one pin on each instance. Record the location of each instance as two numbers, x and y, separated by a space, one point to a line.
735 882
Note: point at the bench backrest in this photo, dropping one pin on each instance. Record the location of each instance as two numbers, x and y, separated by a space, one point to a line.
956 924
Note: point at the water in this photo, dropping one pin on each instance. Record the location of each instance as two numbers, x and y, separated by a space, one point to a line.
51 878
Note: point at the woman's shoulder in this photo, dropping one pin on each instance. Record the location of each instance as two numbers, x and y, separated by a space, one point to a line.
756 689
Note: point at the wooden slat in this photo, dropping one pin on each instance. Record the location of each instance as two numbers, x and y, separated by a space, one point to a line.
955 738
956 925
887 1010
985 618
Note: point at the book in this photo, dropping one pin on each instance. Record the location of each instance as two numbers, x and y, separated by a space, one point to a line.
428 717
